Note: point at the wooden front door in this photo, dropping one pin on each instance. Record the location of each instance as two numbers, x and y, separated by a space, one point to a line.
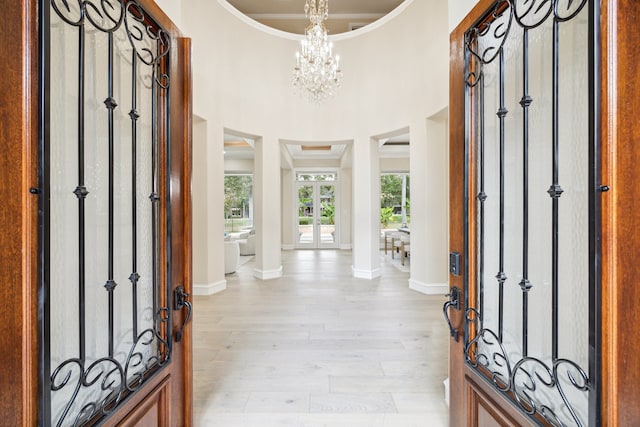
102 215
544 214
526 215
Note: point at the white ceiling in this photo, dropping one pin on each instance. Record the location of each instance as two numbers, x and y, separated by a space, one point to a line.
238 148
288 15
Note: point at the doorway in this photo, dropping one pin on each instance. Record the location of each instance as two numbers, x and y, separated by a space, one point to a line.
316 222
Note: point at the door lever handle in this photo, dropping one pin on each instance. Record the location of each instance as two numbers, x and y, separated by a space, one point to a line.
454 302
179 302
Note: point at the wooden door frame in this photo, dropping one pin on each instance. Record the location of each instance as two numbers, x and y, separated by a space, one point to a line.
18 222
620 209
19 116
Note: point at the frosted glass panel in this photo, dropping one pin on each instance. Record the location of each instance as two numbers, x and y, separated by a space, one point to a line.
104 273
515 137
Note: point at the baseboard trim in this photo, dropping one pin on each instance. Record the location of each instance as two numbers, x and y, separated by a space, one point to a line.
288 247
365 274
210 288
345 246
267 274
428 288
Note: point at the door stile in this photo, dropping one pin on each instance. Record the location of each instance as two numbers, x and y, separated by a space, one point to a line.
596 224
457 197
620 90
181 171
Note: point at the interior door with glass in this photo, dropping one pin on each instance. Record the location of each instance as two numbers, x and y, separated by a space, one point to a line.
525 216
316 220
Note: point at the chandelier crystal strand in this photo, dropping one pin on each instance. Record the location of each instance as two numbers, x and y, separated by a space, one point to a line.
317 72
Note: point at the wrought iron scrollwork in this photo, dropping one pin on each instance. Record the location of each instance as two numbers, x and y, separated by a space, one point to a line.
106 16
548 386
526 377
87 387
116 379
150 44
495 29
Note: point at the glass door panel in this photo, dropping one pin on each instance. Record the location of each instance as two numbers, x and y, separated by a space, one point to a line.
306 223
327 220
316 222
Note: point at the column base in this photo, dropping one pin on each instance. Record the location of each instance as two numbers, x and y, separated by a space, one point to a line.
267 274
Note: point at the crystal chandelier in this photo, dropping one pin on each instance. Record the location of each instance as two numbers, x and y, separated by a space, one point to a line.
317 73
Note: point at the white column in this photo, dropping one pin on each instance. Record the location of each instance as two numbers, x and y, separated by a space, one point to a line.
267 208
366 208
288 201
429 206
208 205
346 207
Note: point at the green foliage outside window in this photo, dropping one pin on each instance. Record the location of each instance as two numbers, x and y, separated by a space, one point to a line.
391 200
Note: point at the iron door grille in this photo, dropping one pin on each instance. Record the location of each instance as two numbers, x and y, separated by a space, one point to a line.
104 240
532 206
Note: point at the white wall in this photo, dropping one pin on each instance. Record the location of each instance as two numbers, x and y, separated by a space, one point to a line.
243 75
458 9
238 166
173 9
394 165
395 74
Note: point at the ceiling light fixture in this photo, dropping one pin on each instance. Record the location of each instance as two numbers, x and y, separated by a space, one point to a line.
317 73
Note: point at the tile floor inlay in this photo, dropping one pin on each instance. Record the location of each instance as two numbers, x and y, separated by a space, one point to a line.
319 348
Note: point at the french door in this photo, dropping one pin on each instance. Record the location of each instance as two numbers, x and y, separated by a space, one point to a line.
317 227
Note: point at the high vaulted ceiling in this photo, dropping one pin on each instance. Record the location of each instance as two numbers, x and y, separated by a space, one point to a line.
288 15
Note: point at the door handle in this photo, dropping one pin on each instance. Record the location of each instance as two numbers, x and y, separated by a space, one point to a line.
454 302
180 302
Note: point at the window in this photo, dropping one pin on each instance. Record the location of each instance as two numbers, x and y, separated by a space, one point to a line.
306 176
395 208
238 202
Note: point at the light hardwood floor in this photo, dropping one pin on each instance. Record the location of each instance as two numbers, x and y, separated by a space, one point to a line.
319 348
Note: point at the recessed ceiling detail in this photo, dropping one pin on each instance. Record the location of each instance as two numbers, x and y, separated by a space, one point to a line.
318 152
315 147
287 15
239 144
237 148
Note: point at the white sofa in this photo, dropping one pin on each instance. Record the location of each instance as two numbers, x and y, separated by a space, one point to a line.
248 245
231 256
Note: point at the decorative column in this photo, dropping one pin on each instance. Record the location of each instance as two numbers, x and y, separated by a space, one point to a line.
429 205
267 208
366 208
208 208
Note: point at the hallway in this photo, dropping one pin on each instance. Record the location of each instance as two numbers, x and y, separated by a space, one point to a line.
319 348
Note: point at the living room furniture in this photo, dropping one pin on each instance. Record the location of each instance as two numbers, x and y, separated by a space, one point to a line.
231 256
248 245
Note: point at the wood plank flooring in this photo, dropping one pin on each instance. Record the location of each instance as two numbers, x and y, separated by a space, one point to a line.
319 348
